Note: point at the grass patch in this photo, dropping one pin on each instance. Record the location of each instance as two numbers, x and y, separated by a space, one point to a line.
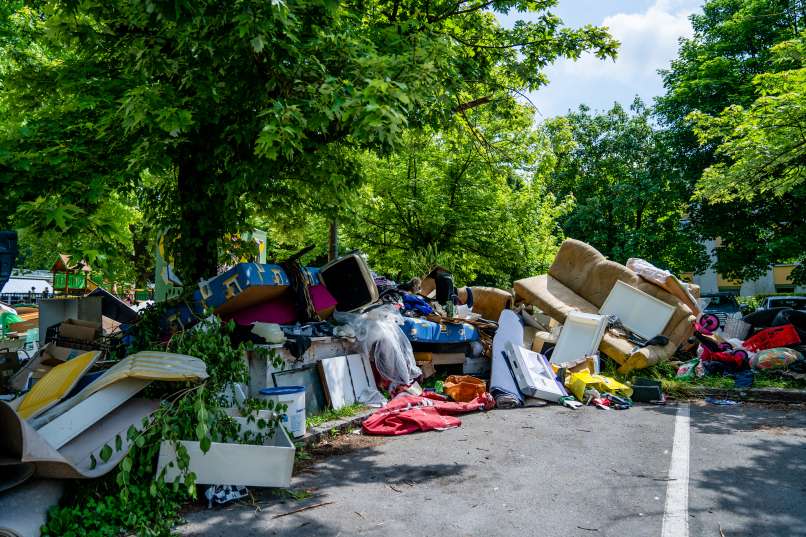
666 373
331 415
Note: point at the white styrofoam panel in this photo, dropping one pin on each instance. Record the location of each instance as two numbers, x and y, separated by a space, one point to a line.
642 313
358 374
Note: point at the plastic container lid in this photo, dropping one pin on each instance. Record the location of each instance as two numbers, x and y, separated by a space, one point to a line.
283 390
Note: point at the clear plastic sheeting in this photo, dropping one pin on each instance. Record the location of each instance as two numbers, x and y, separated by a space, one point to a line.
379 338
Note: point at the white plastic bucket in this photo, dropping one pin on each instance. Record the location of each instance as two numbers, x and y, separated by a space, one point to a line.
294 398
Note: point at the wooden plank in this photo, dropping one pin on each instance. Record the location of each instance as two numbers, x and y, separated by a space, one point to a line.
338 386
447 358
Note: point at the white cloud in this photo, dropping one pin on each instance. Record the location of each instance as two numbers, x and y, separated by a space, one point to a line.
649 41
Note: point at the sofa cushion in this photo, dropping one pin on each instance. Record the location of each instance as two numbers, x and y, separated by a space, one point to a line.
621 350
601 279
574 261
551 296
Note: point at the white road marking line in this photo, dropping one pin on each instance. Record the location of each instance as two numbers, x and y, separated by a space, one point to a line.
675 514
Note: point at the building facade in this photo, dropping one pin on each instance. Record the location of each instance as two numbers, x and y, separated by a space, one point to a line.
776 280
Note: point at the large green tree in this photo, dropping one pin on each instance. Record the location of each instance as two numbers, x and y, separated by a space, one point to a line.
732 44
762 159
471 198
630 199
762 145
244 106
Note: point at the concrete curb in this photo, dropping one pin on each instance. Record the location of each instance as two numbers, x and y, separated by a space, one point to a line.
320 432
761 395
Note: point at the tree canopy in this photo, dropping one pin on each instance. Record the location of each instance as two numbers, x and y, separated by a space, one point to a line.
631 200
733 43
242 107
762 146
471 198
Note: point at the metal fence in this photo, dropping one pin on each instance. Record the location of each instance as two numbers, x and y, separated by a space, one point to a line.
23 298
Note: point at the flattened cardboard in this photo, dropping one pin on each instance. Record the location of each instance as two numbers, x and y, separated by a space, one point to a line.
78 329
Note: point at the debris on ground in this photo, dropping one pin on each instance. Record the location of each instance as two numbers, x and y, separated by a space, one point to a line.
295 342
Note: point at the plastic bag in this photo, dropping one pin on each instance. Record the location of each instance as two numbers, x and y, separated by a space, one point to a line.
686 371
379 337
464 388
777 358
577 383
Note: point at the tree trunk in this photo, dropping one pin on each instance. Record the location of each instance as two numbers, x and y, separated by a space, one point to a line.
333 241
196 247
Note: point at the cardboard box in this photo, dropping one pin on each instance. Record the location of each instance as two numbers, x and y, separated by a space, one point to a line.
440 358
81 330
427 368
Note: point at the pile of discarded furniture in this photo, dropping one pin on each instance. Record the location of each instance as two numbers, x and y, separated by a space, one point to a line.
420 352
772 341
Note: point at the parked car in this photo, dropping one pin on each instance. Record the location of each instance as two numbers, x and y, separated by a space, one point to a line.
794 302
723 305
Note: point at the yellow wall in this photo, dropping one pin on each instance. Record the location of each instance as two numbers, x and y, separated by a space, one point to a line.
723 282
782 274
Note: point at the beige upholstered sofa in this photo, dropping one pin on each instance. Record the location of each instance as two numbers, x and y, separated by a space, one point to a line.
580 280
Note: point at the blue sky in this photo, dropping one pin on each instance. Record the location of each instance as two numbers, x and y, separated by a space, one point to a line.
648 30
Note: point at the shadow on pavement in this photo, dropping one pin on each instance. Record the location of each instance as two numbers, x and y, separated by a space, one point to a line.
748 470
341 466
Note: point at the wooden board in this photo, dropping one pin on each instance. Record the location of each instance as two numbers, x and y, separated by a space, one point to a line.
338 385
440 358
642 313
360 374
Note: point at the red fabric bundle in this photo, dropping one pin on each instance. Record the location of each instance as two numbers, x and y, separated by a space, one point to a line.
409 413
771 338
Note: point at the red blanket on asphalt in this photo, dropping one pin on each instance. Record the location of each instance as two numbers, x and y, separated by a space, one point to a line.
409 413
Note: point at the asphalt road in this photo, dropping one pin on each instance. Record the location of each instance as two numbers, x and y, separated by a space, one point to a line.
554 472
